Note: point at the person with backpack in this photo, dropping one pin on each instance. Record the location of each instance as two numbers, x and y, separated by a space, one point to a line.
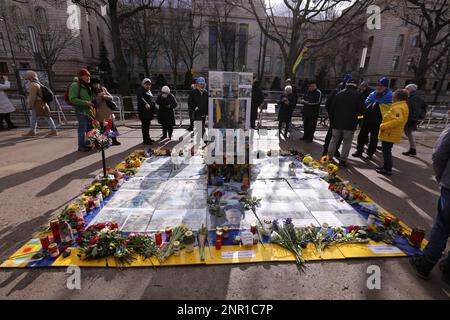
417 110
166 117
37 102
80 97
104 106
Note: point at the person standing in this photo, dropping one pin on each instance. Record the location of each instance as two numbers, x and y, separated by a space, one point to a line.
6 107
345 109
146 109
286 106
257 101
166 116
311 108
37 106
103 112
441 227
391 129
80 97
417 110
288 82
377 104
198 102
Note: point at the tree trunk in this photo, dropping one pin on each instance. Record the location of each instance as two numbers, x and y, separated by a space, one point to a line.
146 66
119 59
438 91
421 69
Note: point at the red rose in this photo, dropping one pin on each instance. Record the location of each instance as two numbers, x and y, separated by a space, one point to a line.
80 219
93 240
114 226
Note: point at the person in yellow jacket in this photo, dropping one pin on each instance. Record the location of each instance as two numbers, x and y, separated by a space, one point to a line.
392 127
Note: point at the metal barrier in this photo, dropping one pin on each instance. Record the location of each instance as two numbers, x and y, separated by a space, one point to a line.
436 117
19 102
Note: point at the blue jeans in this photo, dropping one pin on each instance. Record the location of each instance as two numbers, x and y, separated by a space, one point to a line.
34 118
84 125
440 231
387 155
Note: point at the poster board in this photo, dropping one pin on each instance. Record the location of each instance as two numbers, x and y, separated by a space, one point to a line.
230 98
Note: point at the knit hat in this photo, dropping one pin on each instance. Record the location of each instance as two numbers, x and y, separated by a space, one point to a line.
347 77
165 89
384 82
411 87
145 81
200 80
84 72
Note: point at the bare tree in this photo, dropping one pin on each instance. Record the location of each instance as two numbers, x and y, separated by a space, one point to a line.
301 17
441 71
431 19
191 39
118 13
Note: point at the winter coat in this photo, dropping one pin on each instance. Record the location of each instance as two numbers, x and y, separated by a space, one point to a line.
286 105
312 104
143 98
5 104
79 95
417 110
166 115
392 127
34 100
103 112
441 158
198 103
257 100
345 109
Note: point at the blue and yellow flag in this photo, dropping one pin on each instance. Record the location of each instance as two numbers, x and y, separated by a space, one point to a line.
299 59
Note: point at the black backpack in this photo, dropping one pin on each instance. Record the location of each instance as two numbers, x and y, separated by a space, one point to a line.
46 94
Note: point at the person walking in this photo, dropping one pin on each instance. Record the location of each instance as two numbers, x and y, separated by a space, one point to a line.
37 106
146 109
417 110
377 104
286 106
6 107
102 100
80 97
391 129
166 116
311 108
198 102
441 227
345 109
257 101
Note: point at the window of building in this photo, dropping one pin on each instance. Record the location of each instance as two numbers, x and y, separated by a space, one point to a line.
3 67
268 64
2 43
366 62
415 41
400 40
99 37
25 65
370 44
410 63
41 16
228 44
92 51
16 14
279 65
212 50
395 61
243 43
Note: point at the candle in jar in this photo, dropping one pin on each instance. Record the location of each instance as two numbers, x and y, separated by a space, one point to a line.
45 242
54 226
253 227
387 221
168 233
158 238
225 232
176 248
53 250
417 236
218 244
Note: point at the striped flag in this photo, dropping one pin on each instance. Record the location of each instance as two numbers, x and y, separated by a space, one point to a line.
299 59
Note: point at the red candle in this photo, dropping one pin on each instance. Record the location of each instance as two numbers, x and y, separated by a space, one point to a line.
387 221
253 228
45 242
158 238
54 225
218 243
168 233
417 236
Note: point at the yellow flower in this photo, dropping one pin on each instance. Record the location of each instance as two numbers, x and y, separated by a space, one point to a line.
307 159
324 159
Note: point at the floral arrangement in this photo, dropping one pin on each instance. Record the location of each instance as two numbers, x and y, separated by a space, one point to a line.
177 235
101 134
286 236
141 244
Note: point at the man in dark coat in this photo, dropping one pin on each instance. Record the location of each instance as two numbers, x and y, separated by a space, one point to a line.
311 107
257 100
345 109
286 106
166 117
146 109
198 102
329 135
417 110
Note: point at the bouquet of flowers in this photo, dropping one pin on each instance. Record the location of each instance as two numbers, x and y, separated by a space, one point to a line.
286 236
177 235
70 215
101 134
102 241
141 244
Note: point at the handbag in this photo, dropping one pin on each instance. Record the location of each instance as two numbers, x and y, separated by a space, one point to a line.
111 105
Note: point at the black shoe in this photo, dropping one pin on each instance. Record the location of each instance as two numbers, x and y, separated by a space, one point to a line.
116 143
369 157
337 154
445 271
421 266
162 138
342 163
384 172
84 149
357 155
190 129
147 143
410 152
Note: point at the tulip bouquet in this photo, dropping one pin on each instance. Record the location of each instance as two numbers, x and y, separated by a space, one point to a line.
101 134
177 235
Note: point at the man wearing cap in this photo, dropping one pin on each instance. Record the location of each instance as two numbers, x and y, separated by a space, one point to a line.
344 111
198 102
377 104
146 109
417 110
80 97
311 107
